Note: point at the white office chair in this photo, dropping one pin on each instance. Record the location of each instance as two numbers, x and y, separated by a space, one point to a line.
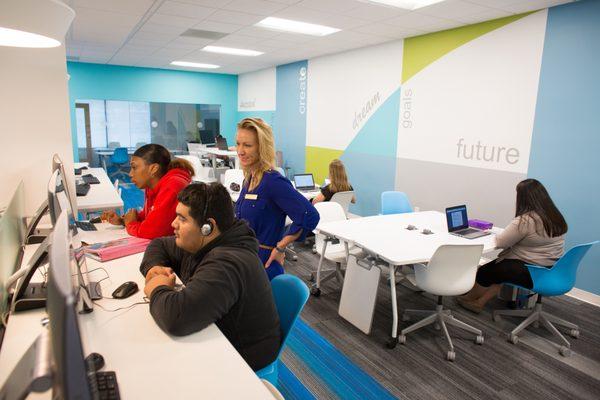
344 199
450 272
330 248
280 170
202 174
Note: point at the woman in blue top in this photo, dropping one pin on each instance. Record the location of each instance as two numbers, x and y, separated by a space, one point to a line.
267 197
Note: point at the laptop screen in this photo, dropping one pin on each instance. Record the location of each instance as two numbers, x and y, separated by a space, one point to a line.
304 181
222 143
457 218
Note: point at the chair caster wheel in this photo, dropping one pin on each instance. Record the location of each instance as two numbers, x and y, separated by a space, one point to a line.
574 333
391 343
564 351
311 278
405 317
315 291
479 340
402 339
496 317
514 339
450 356
437 326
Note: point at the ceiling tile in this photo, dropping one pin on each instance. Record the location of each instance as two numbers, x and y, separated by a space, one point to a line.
188 43
258 32
258 7
415 20
160 28
173 20
532 5
185 10
207 3
374 12
234 17
236 40
331 6
376 28
452 9
488 15
216 26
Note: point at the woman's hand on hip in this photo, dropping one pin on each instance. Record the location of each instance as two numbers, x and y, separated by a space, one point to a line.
276 255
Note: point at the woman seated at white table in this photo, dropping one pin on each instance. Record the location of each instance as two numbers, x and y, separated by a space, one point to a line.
339 183
162 178
535 236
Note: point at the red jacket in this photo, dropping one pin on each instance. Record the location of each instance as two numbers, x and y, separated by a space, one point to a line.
159 207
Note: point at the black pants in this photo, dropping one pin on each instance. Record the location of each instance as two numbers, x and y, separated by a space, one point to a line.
505 271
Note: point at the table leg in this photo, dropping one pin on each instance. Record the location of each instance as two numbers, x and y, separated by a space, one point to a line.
394 339
316 290
213 158
103 157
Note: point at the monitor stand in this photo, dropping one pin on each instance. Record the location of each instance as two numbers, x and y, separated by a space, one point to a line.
33 372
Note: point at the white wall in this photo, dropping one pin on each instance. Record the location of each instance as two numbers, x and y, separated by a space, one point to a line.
256 91
34 110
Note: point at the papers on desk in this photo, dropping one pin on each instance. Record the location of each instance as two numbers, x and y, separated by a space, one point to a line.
105 233
116 248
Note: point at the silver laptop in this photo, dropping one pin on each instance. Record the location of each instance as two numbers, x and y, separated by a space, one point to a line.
304 182
458 223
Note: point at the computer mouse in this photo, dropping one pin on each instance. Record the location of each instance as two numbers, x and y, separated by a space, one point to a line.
96 220
427 231
125 290
95 361
411 227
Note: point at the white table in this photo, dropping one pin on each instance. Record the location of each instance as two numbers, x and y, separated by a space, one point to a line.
149 363
102 196
387 245
213 152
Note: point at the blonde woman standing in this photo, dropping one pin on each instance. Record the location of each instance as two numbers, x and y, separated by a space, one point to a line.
267 197
339 183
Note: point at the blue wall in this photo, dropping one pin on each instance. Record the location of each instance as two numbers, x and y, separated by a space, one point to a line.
290 118
565 149
110 82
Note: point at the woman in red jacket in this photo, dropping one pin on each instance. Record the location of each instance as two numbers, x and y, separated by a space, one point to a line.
162 178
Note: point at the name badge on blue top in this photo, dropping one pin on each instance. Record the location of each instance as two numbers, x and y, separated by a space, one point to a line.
250 196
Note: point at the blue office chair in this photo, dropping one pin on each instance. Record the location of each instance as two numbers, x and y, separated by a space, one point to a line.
119 159
553 281
290 295
395 203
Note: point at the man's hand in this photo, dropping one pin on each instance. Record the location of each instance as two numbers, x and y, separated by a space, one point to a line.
159 280
112 217
158 270
130 216
275 256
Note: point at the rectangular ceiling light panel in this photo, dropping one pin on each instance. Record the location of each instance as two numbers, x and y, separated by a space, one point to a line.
288 25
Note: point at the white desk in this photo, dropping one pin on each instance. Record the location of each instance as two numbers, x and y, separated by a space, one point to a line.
149 363
213 152
388 244
102 196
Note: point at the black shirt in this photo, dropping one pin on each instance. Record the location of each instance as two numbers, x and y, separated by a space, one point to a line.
326 191
225 283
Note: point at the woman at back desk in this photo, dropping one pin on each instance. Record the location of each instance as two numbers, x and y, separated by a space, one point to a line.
339 183
267 197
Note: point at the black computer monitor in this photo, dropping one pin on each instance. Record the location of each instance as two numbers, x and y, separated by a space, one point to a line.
30 233
12 228
61 182
207 137
70 369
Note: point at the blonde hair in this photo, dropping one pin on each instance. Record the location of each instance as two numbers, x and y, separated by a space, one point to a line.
338 177
266 146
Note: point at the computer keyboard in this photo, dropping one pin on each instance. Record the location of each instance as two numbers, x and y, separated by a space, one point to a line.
86 226
468 231
82 189
90 179
104 386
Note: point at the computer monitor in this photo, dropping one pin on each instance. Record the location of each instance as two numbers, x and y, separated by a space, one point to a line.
30 234
61 181
304 181
12 228
222 143
70 369
207 137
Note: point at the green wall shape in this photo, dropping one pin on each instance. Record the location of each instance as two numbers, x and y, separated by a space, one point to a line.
420 51
317 161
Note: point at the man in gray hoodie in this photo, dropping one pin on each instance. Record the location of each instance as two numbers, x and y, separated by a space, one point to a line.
216 257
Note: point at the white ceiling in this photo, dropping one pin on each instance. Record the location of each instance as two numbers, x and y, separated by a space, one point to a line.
147 32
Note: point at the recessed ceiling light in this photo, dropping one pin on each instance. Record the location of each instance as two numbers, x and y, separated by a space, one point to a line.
17 38
288 25
406 4
194 65
232 51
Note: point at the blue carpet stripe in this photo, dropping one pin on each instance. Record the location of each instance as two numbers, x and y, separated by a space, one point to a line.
340 375
290 387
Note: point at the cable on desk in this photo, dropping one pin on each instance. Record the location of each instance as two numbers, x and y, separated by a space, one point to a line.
121 308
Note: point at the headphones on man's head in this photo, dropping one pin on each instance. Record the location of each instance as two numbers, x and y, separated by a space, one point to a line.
207 227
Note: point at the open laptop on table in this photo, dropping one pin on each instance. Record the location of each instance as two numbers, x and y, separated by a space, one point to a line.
458 223
304 182
222 143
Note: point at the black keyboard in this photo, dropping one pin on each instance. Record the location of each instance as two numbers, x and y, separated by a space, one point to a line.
82 189
86 226
468 231
90 179
104 386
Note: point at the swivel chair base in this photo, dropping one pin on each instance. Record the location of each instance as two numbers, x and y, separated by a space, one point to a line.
440 317
320 278
536 316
